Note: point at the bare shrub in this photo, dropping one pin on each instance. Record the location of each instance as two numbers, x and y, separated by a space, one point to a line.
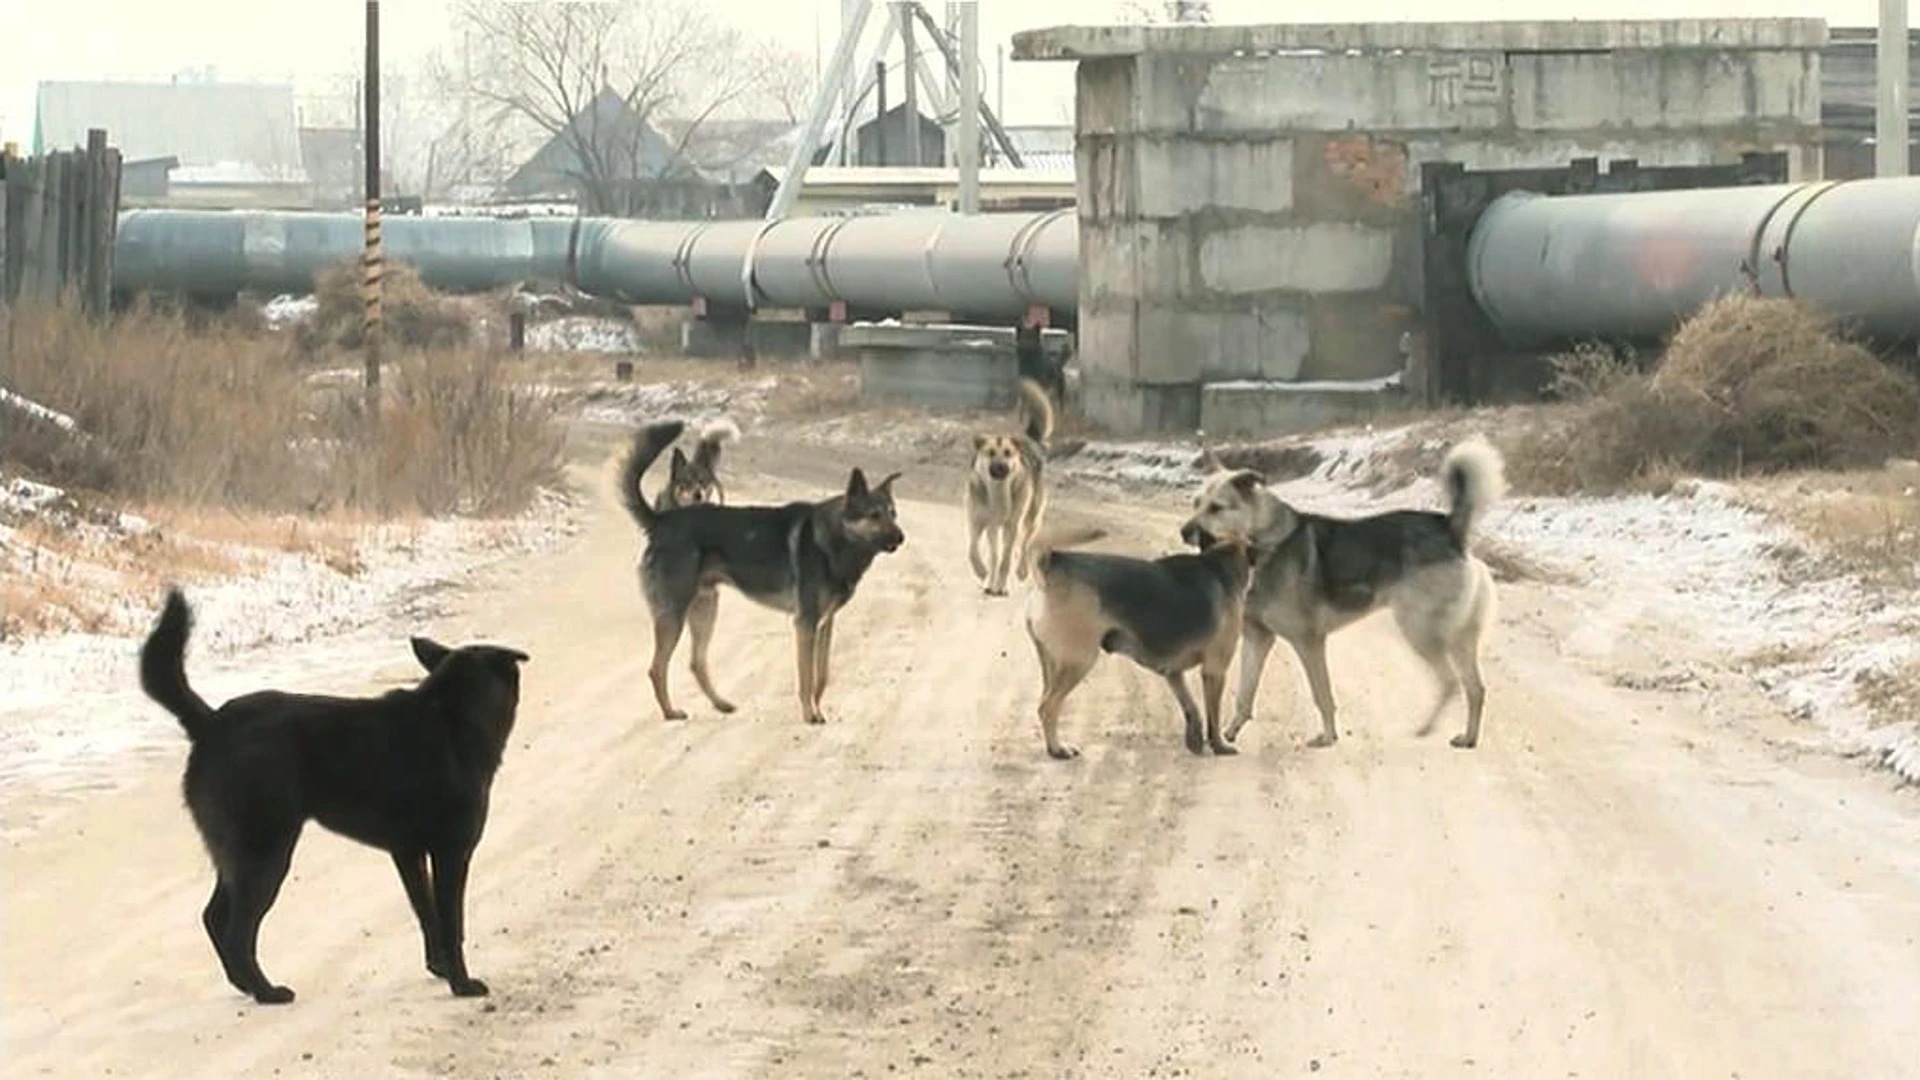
1747 385
210 416
416 316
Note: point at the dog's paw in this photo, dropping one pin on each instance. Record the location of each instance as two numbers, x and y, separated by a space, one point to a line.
469 988
816 718
1196 742
1223 748
274 995
724 706
1462 742
1063 752
674 714
1322 741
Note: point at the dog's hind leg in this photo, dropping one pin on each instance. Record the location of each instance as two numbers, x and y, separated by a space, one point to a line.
215 917
1058 676
1213 687
1466 657
701 617
413 876
806 660
1435 654
450 901
666 636
1256 642
252 887
1196 737
1313 657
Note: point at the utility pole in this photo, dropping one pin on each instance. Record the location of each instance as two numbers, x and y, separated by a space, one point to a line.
1890 135
969 157
374 329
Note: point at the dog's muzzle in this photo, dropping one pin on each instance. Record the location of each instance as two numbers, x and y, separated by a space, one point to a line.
892 539
1193 534
998 470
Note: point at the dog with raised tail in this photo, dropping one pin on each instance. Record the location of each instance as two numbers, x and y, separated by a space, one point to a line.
803 558
410 772
696 479
1006 492
1168 615
1318 574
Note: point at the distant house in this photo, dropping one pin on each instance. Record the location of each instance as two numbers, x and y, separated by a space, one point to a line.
236 144
882 142
1048 147
732 151
610 160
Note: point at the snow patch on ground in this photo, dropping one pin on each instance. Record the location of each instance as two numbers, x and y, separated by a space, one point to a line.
288 310
72 701
696 403
38 411
1698 561
584 333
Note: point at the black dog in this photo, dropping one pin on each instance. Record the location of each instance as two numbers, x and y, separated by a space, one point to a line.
408 773
1036 365
804 558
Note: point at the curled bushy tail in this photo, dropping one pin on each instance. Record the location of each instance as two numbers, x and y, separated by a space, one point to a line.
163 667
1041 548
1037 408
712 437
648 444
1475 477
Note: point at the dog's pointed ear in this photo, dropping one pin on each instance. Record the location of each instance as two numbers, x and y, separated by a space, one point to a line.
856 484
1249 481
679 461
887 484
980 441
429 652
510 656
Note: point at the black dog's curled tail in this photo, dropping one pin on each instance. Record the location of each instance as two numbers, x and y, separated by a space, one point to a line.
648 444
163 667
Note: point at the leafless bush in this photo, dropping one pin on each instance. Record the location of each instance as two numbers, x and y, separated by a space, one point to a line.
1747 385
416 316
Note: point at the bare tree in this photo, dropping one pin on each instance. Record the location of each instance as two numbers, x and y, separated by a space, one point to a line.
595 77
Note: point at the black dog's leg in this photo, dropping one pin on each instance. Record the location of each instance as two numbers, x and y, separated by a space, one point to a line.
1196 737
1213 685
218 912
450 896
413 875
251 891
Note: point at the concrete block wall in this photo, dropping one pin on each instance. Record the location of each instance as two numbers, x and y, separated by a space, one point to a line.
1248 195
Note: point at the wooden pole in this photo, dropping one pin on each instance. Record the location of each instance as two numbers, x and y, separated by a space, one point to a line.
373 336
98 217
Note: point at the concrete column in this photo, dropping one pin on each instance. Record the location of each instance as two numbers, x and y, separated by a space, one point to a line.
1890 69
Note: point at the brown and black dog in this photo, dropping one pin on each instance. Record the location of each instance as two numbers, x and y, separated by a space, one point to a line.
1167 615
804 558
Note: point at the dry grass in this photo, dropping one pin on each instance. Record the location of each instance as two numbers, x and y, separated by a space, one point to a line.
1891 697
1865 523
1746 386
416 316
200 414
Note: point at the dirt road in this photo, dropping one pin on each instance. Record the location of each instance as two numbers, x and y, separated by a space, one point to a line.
1616 884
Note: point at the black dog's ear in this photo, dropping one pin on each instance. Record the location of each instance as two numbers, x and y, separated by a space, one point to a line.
679 463
509 658
429 652
887 484
1249 481
857 484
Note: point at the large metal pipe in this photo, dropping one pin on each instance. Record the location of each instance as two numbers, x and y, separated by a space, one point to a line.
222 252
1632 266
982 265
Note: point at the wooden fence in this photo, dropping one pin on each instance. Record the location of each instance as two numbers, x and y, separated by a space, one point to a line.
58 216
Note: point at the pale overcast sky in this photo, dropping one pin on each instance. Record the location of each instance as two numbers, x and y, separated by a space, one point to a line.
307 41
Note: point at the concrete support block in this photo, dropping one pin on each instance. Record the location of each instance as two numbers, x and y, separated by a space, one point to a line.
1340 92
1137 260
1323 257
1691 91
1107 346
1131 409
824 340
1180 345
791 340
1357 337
708 338
1175 177
1266 410
941 367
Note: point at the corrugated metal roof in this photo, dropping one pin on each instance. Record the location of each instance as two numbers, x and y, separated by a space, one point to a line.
825 176
241 127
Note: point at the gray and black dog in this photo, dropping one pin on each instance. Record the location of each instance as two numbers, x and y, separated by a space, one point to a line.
409 772
696 479
1318 574
1167 615
803 558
